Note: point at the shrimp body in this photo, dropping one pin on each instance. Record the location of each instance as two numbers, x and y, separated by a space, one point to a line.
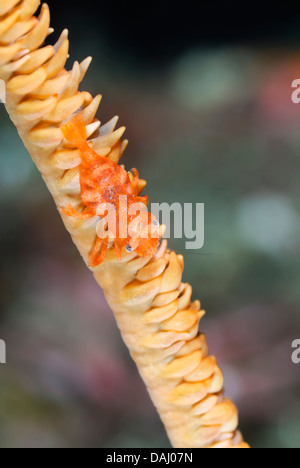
103 182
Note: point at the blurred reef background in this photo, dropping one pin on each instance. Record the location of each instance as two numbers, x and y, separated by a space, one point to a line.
205 94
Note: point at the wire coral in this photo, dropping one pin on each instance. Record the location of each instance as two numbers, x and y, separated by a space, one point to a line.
152 305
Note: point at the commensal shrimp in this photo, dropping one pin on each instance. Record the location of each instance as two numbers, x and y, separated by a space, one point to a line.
104 182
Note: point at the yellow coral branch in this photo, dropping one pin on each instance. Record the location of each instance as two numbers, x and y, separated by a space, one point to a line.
153 308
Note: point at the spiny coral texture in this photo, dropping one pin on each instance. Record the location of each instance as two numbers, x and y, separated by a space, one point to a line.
153 308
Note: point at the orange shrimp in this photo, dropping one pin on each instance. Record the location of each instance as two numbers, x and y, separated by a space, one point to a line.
102 182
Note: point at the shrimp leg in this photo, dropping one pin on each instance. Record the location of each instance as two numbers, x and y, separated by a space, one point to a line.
71 211
99 252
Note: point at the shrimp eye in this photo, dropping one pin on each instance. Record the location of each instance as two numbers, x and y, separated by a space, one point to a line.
129 248
155 223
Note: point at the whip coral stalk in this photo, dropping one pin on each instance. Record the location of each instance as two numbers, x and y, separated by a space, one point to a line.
152 305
